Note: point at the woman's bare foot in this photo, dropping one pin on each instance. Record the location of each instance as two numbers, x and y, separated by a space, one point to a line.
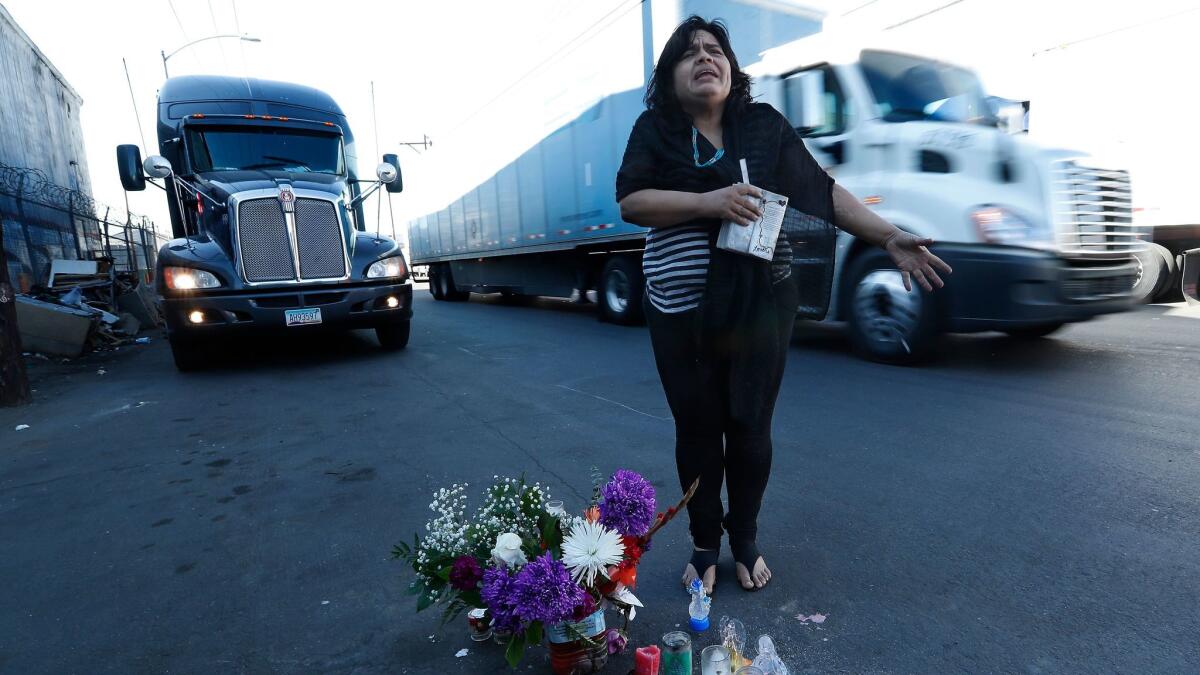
756 579
706 558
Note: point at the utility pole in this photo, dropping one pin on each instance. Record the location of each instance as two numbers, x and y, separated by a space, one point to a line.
14 385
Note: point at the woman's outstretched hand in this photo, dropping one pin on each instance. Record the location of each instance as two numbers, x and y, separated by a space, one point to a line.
914 260
739 203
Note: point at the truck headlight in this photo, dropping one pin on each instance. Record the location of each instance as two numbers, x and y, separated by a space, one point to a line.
186 279
998 225
386 268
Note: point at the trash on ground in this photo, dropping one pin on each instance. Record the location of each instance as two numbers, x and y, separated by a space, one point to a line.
22 427
461 653
812 618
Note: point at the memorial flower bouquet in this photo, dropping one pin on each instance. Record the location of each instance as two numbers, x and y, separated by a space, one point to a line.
539 572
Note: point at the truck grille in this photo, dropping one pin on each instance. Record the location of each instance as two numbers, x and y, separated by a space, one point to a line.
1093 211
266 243
266 246
319 237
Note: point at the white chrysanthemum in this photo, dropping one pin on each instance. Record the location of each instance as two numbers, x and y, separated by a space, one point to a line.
589 548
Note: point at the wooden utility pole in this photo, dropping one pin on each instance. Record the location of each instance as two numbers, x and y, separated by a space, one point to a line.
14 385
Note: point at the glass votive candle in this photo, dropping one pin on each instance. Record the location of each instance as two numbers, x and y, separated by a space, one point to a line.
750 670
555 508
677 653
479 627
714 660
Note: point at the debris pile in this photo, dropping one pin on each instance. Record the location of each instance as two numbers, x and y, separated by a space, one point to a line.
86 306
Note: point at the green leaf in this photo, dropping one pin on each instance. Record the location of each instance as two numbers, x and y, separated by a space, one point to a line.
472 598
424 601
533 634
417 587
552 535
515 651
443 574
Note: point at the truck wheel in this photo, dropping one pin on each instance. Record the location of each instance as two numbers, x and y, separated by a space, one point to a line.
187 355
449 290
435 282
886 322
1154 273
621 287
393 337
1033 332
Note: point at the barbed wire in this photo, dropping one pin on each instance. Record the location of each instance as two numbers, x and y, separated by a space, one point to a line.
35 186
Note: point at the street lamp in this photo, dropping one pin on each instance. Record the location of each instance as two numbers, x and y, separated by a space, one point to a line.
165 56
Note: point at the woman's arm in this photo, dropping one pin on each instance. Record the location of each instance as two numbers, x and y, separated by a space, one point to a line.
908 251
664 208
853 216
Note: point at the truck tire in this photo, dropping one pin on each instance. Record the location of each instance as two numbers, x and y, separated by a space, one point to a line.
1156 268
1033 332
187 355
435 282
393 336
449 290
887 323
620 292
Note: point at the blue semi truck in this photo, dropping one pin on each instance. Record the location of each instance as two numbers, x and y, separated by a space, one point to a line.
266 217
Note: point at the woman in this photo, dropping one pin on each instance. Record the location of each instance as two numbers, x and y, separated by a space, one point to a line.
720 322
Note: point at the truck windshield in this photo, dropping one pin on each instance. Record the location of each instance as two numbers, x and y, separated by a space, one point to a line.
240 149
908 88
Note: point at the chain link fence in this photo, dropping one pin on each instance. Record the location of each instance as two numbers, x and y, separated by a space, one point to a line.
43 221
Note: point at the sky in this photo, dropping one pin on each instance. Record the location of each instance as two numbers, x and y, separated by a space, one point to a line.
485 80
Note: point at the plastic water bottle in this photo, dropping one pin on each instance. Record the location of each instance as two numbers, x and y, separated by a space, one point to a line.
699 607
768 659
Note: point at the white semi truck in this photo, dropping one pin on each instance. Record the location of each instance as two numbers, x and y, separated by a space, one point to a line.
1038 236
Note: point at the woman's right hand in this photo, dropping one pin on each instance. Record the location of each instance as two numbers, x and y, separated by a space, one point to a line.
739 203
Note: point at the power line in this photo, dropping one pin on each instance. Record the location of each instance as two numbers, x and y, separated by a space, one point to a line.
178 20
922 16
563 50
865 4
1113 31
237 25
216 31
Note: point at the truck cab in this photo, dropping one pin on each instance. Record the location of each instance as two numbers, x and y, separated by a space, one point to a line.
267 216
1038 236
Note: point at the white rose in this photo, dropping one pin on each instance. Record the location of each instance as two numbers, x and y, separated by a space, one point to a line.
508 550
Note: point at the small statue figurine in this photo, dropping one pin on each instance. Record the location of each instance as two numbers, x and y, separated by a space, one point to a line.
768 659
699 607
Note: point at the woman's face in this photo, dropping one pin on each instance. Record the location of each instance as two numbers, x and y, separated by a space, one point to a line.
702 77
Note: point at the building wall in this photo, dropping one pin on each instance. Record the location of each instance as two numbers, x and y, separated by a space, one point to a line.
39 112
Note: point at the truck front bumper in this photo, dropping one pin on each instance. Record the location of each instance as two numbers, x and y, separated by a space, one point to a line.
362 305
1001 287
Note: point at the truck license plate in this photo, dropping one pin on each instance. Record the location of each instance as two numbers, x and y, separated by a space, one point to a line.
302 317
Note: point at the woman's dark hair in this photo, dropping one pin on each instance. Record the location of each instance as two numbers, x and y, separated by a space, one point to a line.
660 91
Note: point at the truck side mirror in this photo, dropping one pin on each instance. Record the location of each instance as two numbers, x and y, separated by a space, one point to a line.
129 168
397 183
805 94
157 166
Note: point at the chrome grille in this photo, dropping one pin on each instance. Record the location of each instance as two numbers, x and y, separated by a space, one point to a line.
319 239
1098 288
1093 211
265 244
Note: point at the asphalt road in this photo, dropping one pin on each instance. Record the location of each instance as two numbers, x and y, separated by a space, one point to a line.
1012 507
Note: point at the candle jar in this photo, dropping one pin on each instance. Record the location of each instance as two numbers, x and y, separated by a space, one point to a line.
750 670
714 660
677 653
479 626
555 508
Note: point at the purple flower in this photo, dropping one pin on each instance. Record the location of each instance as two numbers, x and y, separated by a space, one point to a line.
544 591
616 641
497 593
465 573
584 609
627 503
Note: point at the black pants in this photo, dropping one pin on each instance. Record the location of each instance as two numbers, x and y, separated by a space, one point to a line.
722 404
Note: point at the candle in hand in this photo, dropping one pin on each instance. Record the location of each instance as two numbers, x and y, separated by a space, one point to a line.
646 660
